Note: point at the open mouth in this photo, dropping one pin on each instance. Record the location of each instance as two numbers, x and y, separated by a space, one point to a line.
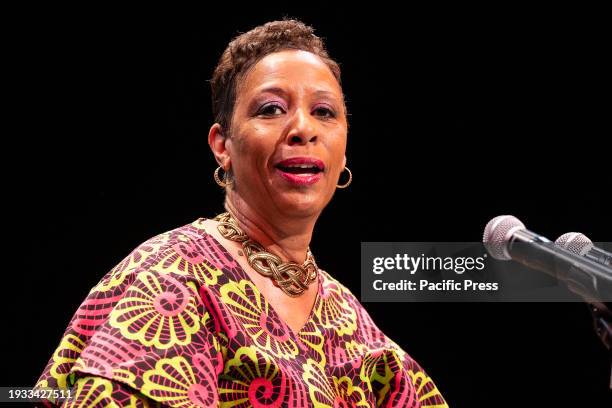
301 170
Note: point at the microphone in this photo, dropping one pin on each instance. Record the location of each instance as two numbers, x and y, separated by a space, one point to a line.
581 245
507 238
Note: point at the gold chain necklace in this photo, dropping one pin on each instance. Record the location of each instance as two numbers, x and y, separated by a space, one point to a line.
291 277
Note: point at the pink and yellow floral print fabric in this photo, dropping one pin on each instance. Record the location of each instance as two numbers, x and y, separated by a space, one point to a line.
179 323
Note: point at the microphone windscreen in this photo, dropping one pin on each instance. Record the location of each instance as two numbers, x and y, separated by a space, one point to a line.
498 233
575 242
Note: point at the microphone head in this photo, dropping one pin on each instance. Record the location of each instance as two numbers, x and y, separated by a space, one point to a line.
498 233
575 242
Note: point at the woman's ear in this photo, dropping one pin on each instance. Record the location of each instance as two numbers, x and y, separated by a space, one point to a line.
343 163
217 141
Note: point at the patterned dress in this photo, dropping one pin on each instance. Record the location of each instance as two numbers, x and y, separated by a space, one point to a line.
179 323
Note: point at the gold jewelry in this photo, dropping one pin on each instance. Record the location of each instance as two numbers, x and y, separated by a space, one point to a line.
222 183
291 277
345 185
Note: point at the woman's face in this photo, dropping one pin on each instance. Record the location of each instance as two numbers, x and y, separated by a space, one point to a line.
288 135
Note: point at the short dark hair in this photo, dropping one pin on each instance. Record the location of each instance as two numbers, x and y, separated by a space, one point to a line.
247 49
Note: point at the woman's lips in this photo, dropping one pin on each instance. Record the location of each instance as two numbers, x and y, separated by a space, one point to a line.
301 170
301 179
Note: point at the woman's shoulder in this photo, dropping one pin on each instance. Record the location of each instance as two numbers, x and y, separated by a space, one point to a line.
339 298
186 252
330 284
353 315
145 312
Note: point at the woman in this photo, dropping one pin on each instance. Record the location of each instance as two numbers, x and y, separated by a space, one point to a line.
234 310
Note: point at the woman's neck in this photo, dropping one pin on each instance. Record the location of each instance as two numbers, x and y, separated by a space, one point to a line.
289 239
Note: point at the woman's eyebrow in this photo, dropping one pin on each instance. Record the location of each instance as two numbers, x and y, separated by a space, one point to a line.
323 92
281 92
327 94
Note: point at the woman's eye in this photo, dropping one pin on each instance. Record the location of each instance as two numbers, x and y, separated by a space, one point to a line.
270 110
324 112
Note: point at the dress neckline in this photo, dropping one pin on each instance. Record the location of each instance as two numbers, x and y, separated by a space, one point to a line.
243 275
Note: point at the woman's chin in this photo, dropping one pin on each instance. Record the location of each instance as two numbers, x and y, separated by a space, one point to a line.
301 204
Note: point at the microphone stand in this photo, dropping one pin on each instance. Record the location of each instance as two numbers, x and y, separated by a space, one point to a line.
602 323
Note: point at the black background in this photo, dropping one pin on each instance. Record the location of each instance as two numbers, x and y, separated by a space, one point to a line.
456 116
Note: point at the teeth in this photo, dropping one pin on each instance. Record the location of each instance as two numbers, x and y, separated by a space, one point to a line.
302 166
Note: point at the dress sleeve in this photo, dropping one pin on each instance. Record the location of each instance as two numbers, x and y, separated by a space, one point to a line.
142 336
92 391
395 377
426 391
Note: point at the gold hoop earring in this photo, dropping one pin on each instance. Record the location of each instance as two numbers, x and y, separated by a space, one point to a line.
345 185
222 183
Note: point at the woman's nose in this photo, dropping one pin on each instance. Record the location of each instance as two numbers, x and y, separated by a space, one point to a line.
303 129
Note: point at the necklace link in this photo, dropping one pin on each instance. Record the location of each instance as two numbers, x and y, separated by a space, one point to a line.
292 278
